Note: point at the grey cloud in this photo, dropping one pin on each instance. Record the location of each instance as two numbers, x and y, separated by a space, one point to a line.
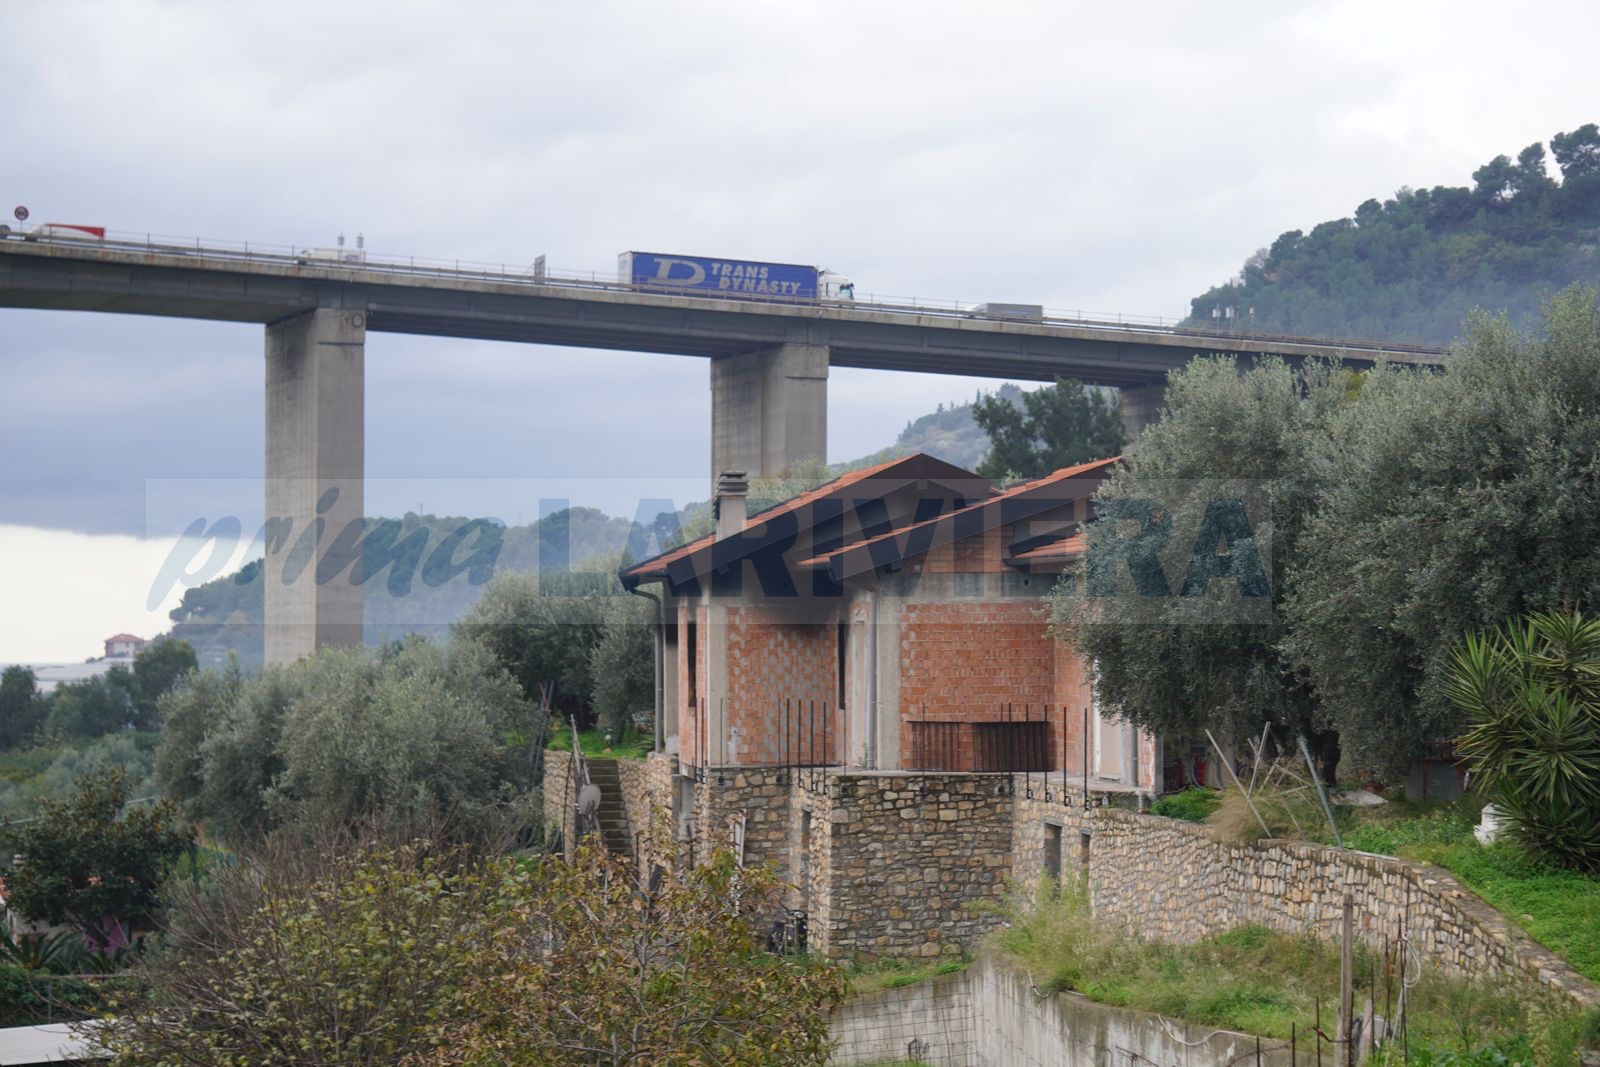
1104 159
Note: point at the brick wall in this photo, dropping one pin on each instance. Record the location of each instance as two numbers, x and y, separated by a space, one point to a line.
1073 693
777 671
963 659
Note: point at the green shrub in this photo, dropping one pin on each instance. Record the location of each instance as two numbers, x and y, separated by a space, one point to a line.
1393 837
1191 805
29 997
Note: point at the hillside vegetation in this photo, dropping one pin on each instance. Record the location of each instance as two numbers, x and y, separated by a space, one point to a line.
950 433
1412 266
414 594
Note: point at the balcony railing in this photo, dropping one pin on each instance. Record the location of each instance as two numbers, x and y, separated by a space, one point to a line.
978 747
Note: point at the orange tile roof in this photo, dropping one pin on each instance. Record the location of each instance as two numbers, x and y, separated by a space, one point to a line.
968 514
1062 549
915 466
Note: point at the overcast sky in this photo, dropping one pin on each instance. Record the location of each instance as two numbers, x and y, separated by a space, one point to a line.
1111 158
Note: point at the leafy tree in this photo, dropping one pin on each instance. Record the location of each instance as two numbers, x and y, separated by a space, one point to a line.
410 733
1175 650
129 752
21 709
87 862
541 637
623 665
422 955
1577 153
1531 694
188 713
156 669
671 973
94 706
310 956
1446 503
240 757
419 732
1056 426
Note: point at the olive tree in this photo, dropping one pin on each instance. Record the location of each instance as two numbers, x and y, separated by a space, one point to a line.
1193 552
1447 503
409 732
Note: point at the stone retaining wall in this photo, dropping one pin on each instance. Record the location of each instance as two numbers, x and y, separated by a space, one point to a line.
912 859
901 864
1171 881
559 799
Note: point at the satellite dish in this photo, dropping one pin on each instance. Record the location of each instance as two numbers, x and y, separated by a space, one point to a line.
589 799
20 213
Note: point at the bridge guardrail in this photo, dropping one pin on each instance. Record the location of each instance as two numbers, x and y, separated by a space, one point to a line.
511 273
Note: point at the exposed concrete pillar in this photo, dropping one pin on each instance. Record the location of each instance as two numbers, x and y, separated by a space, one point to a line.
316 370
769 410
1141 407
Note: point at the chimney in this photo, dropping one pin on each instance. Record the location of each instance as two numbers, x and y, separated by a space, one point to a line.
729 505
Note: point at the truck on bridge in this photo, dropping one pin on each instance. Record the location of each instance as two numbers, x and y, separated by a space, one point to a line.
55 231
710 276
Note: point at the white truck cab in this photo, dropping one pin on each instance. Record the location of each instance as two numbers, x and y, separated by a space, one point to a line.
831 285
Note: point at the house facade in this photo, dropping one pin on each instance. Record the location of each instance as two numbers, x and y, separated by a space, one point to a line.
124 646
860 683
890 620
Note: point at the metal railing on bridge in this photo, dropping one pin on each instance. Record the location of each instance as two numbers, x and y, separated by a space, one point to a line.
534 273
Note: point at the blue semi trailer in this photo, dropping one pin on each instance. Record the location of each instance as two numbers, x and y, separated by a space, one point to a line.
742 278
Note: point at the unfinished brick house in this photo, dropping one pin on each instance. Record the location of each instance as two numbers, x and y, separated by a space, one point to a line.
859 682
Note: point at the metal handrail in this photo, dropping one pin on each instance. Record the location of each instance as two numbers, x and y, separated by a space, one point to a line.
519 274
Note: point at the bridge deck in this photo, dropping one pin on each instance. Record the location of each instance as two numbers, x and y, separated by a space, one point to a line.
224 284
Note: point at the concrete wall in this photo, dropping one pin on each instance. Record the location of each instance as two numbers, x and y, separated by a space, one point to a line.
769 410
990 1016
931 1021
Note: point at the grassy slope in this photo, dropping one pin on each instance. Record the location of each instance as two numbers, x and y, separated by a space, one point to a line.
593 742
1559 908
1257 981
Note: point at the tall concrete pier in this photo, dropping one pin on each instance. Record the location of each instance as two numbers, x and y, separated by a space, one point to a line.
769 410
316 376
1141 407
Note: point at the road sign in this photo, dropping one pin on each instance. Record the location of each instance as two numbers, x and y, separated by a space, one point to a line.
21 213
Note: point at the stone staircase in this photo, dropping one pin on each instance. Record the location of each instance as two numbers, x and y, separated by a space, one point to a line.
613 816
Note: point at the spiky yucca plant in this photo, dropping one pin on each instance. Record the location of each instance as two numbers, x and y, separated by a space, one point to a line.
1531 694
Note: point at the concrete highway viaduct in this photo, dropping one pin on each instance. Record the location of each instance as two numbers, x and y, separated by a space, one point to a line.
768 362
